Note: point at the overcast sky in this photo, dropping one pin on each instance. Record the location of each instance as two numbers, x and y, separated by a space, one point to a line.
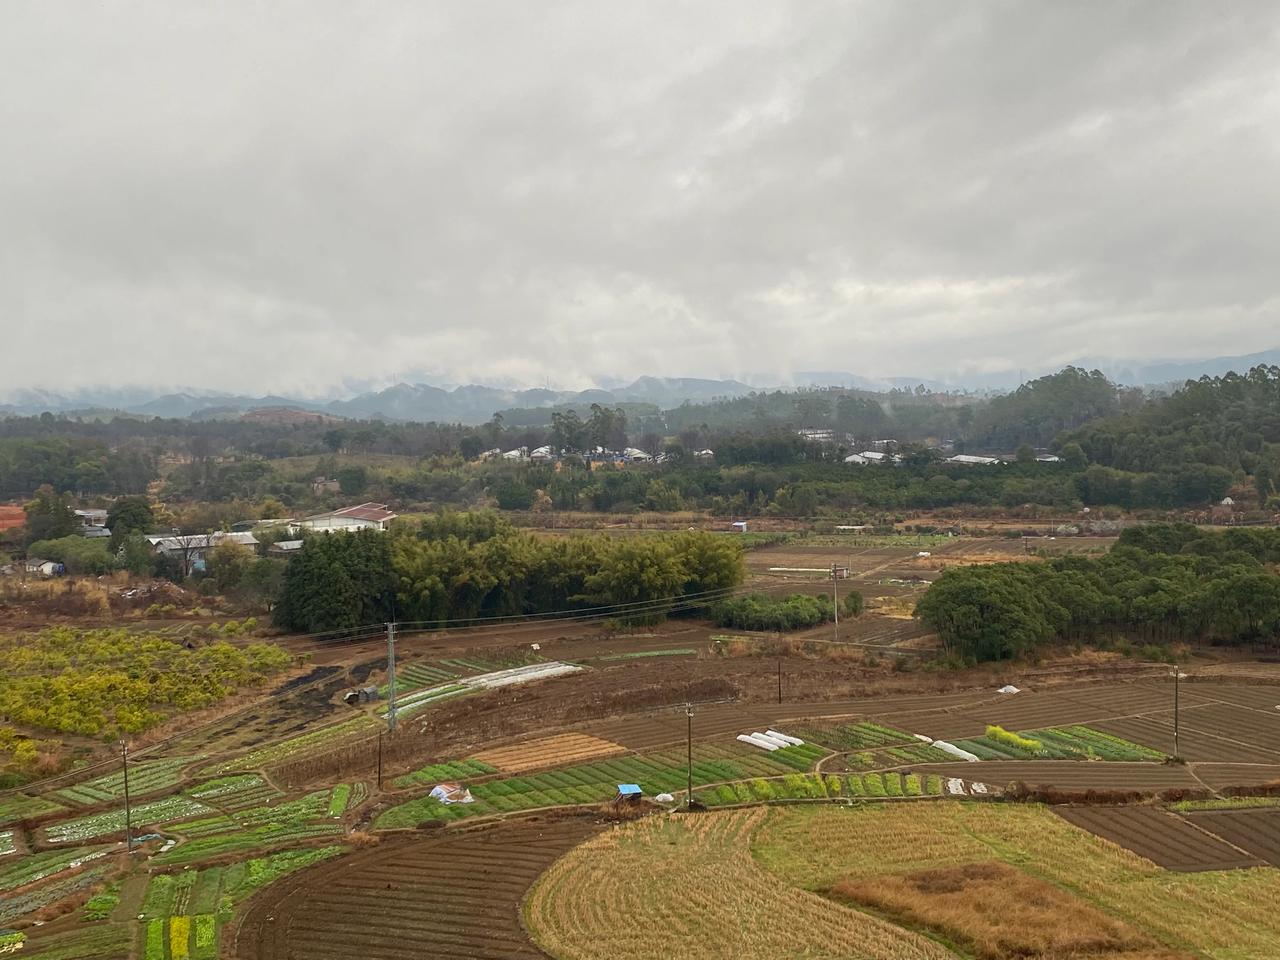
280 196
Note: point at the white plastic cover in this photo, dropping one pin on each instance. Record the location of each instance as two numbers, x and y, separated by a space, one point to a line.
955 751
794 741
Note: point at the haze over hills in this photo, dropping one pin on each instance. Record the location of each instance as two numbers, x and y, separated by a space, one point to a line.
476 403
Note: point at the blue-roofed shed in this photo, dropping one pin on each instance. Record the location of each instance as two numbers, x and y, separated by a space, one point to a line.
628 793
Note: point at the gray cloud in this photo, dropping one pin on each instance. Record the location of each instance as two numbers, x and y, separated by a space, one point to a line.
288 196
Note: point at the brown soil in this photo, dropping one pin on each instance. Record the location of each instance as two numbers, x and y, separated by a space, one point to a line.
453 895
1256 831
1162 837
564 748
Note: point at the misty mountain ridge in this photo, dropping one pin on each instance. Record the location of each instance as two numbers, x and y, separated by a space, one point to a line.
475 403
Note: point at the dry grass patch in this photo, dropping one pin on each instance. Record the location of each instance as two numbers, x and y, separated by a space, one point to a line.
548 752
687 886
996 911
1218 913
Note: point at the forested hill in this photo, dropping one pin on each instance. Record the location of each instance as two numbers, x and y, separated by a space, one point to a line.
1229 423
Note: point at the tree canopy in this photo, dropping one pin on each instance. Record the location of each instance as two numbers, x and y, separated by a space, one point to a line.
1160 584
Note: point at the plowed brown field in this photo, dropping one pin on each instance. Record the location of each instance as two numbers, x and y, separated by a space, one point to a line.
562 749
1257 831
1162 837
453 896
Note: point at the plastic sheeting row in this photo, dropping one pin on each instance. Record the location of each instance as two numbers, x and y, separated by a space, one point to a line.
770 740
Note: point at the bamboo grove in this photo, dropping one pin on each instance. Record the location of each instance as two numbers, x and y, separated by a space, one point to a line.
466 567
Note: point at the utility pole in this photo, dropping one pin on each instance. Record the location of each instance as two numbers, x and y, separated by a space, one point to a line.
128 819
379 759
835 601
688 713
1176 678
391 678
779 679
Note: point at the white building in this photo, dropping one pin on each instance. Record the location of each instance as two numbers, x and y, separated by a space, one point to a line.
971 460
364 516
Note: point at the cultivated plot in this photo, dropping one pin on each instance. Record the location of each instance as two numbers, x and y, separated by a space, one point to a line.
1162 837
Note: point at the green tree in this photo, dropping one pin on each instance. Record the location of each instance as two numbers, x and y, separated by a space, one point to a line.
135 555
50 516
128 515
228 564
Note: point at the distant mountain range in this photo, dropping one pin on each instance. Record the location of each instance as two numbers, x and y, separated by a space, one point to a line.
475 403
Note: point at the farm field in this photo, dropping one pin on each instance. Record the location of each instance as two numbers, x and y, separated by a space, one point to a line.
586 906
1223 914
1255 830
452 896
540 757
547 752
1160 836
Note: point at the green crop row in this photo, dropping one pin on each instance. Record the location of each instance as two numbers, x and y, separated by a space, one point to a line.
1056 743
22 807
854 736
236 792
97 824
37 866
594 782
298 746
145 777
107 941
338 800
18 905
453 770
818 787
255 838
101 906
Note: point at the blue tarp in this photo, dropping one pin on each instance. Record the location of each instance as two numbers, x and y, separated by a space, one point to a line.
629 790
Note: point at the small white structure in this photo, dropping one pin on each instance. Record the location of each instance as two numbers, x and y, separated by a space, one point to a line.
1008 688
1048 458
636 455
739 525
704 454
857 460
971 460
364 516
541 454
46 568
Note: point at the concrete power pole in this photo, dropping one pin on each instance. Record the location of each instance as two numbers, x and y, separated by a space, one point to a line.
835 601
391 678
128 825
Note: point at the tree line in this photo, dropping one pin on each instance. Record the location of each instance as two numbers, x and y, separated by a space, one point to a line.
468 567
1160 584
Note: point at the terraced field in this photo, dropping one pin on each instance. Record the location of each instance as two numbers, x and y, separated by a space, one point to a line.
547 752
1255 831
1162 837
455 896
